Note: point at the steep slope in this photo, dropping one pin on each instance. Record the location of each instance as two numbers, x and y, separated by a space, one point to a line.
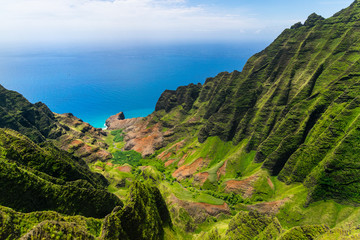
33 120
37 122
43 187
35 178
145 216
296 104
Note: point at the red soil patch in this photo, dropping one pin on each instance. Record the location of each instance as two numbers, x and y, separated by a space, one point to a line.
109 164
146 145
182 160
270 183
188 170
168 163
179 145
100 168
87 148
269 207
194 119
198 210
164 155
143 139
76 143
222 170
201 177
102 154
140 135
243 187
124 169
172 150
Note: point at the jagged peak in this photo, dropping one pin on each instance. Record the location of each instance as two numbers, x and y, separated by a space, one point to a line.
313 19
296 25
349 14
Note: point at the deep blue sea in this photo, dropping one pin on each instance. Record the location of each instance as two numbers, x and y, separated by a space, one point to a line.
94 84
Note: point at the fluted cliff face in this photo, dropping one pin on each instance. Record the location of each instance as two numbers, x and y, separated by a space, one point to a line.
252 153
296 103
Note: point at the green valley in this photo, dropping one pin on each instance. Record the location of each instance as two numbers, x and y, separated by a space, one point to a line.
271 152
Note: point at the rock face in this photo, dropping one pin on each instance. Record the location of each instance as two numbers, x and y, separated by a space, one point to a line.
120 116
116 122
141 135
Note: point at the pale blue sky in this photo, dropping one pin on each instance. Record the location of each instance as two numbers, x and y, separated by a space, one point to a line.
56 22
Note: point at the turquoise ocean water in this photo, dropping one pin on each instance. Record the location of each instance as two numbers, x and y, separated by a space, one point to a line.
94 84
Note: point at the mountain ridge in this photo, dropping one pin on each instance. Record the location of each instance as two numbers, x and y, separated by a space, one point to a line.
270 152
283 95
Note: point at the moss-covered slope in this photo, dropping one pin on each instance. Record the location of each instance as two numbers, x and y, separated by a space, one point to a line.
33 120
37 122
145 216
296 104
35 178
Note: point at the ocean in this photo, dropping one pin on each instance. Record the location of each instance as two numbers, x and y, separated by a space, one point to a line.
94 84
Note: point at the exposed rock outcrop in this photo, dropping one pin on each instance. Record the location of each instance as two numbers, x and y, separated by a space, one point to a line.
187 171
118 121
244 187
200 211
269 208
141 135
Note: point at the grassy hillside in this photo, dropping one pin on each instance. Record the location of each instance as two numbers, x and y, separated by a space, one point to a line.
267 153
295 104
35 178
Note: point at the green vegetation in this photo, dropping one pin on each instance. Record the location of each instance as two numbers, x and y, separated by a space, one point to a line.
145 214
143 217
47 224
130 157
35 121
46 158
47 171
293 110
250 225
118 135
267 153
